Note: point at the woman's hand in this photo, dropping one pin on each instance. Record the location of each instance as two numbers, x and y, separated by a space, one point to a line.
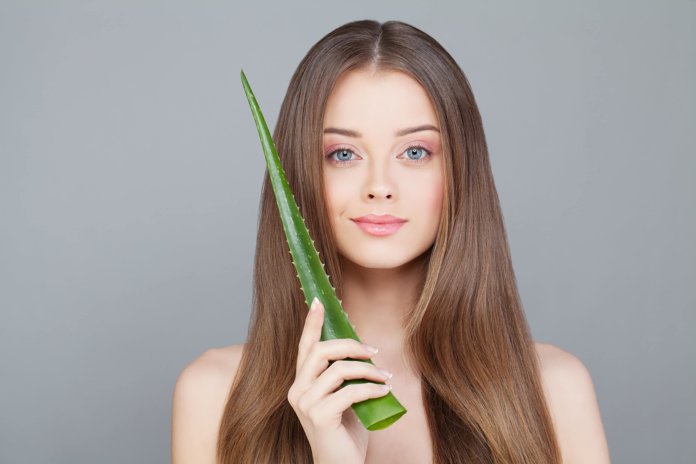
332 428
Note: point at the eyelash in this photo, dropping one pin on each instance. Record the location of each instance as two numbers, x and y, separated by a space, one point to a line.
419 161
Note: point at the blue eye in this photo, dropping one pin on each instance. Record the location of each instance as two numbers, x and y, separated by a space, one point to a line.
414 151
344 155
340 152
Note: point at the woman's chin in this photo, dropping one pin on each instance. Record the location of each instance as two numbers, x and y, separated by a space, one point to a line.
378 260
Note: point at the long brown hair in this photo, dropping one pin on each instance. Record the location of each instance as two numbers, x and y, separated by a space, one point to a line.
467 335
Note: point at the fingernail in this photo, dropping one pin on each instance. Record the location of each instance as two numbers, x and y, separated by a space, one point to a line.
372 349
313 307
388 374
386 387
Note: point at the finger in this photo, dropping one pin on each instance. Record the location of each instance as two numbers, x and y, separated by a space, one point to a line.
353 393
335 404
311 333
320 354
333 377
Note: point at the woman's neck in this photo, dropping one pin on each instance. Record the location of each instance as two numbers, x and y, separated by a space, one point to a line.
377 302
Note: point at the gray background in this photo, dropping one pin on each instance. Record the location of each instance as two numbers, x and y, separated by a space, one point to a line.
130 174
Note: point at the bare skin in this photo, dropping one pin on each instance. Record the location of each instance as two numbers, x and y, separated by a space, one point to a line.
202 387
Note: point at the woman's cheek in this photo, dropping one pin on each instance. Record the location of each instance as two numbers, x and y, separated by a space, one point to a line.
333 199
437 195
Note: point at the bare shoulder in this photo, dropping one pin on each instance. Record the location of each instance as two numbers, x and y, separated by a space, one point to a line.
199 397
572 402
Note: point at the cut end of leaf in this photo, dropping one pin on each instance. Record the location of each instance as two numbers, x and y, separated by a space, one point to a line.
385 423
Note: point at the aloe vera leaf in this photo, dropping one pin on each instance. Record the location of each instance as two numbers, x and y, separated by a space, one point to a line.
374 413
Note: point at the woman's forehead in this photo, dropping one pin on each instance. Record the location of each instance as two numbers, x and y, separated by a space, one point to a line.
363 99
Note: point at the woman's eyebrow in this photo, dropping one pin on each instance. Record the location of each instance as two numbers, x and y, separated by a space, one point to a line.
355 134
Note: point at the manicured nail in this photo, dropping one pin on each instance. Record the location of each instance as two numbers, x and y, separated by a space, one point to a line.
386 387
315 303
371 349
388 374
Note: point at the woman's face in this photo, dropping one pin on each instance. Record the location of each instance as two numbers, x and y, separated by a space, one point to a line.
373 164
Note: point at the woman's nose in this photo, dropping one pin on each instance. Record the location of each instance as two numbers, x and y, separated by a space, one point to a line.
379 183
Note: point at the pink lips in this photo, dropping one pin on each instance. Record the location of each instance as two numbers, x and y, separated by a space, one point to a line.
379 225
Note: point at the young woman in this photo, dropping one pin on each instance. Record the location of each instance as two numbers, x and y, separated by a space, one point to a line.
383 146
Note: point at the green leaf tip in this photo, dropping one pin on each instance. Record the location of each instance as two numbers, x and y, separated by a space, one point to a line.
374 413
